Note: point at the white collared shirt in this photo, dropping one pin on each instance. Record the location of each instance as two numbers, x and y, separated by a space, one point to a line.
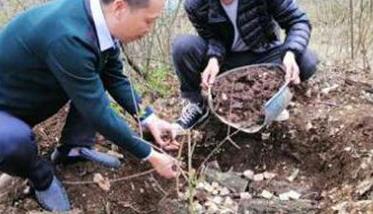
105 39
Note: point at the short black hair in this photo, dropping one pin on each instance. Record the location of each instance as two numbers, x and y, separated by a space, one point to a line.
131 3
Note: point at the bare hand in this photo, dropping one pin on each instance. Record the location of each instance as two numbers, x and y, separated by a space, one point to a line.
159 129
292 68
165 165
210 73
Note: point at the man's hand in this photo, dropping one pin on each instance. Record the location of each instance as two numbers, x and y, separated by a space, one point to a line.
292 69
210 73
164 164
164 133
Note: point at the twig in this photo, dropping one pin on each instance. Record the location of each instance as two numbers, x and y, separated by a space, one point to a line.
216 148
111 180
159 185
230 116
128 205
233 143
178 158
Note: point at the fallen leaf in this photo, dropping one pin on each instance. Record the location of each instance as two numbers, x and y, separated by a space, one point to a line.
101 181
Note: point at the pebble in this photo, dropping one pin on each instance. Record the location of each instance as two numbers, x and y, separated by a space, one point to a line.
249 174
269 175
267 195
258 177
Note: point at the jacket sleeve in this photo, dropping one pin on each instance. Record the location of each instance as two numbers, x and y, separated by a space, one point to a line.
73 63
294 21
120 88
197 12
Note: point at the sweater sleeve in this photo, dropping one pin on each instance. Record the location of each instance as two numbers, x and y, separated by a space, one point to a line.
295 22
120 88
73 63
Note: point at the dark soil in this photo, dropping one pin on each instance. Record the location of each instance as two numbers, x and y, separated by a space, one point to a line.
240 97
328 138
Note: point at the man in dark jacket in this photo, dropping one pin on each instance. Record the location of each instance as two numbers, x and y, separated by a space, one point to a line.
68 51
233 33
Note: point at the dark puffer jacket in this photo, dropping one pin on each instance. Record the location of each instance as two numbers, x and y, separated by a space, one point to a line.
257 22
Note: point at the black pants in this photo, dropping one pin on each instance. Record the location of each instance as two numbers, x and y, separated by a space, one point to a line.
190 59
19 151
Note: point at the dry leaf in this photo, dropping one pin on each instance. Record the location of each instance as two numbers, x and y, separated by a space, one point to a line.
101 181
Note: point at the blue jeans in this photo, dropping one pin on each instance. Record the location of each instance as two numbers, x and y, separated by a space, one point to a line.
19 152
190 59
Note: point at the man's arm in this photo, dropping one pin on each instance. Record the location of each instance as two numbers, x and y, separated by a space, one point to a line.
295 22
197 12
120 88
72 61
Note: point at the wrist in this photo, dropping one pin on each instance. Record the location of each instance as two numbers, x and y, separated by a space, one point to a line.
150 155
153 157
290 53
214 60
149 119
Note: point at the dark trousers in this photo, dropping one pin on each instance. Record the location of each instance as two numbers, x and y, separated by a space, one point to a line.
190 59
19 152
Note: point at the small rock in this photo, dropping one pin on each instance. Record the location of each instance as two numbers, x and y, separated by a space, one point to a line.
269 175
27 190
347 149
224 191
198 208
289 195
267 195
258 177
213 209
249 174
228 202
329 89
284 197
208 187
224 96
294 195
266 136
214 185
309 126
217 200
245 195
200 186
292 177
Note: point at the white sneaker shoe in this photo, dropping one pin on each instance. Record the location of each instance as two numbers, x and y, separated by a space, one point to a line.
283 116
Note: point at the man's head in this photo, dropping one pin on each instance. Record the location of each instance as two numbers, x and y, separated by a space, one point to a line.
129 20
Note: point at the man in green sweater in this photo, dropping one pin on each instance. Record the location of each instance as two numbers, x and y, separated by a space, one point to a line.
67 51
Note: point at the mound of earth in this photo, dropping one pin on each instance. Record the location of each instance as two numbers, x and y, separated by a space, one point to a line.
239 97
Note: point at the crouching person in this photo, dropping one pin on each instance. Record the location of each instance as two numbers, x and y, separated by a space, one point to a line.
233 33
67 51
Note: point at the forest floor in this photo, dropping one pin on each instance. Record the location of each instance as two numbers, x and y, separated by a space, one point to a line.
323 154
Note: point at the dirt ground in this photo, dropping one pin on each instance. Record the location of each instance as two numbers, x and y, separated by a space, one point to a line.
328 141
239 97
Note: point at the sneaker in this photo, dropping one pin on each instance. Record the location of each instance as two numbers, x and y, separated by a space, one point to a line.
283 116
76 154
54 198
192 115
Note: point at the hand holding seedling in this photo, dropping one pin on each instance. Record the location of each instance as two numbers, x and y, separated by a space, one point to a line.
160 128
164 164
